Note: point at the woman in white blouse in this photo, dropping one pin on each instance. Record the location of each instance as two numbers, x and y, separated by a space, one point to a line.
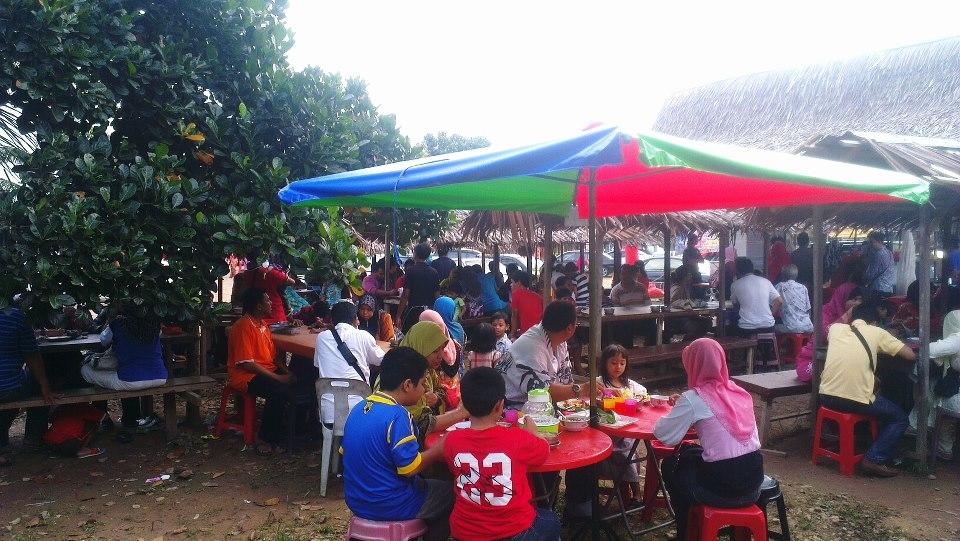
728 470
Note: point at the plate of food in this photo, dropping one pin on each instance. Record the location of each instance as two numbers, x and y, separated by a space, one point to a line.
615 420
459 426
573 405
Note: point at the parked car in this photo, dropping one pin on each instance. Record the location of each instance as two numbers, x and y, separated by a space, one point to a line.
574 256
520 261
654 267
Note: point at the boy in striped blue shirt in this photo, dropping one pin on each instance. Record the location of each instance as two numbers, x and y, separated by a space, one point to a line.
381 456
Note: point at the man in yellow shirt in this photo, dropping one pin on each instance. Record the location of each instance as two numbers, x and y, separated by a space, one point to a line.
847 382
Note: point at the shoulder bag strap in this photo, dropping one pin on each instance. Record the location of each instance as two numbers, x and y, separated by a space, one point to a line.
863 341
348 355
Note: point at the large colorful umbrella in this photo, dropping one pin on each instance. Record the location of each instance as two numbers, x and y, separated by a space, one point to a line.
633 174
606 172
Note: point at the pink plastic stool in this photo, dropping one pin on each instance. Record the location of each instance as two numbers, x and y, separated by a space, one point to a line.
362 529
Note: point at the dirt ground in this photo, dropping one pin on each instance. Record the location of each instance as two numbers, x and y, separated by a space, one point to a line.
229 493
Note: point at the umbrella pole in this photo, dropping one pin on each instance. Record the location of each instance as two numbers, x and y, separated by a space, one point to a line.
596 290
386 260
546 272
819 244
923 366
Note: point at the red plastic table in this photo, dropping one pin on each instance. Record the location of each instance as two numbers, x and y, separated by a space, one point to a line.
576 450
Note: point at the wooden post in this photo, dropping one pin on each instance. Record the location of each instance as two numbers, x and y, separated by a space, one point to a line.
667 241
460 257
596 292
496 257
766 251
583 259
617 261
722 285
546 273
817 306
923 365
483 261
386 262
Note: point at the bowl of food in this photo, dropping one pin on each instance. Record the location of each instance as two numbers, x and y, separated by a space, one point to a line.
546 424
552 439
576 422
658 400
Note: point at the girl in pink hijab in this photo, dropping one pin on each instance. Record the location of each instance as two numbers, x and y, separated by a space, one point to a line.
449 375
728 469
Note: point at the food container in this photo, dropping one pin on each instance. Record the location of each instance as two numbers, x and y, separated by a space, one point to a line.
547 424
630 406
609 404
659 401
552 439
575 423
510 417
538 403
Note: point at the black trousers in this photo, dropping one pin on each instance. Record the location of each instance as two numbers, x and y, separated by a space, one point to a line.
276 395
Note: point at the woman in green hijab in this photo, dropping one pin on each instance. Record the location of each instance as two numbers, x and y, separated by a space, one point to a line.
429 340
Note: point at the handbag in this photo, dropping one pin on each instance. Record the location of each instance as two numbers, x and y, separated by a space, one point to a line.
873 367
948 385
106 361
348 355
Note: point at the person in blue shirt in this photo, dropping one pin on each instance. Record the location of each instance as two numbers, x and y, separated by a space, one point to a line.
489 297
135 346
381 456
18 345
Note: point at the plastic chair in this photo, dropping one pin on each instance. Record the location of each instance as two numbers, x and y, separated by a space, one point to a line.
704 523
846 422
248 414
362 529
770 493
341 389
772 338
938 421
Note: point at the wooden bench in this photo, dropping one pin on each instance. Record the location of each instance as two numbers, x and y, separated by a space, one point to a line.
186 384
770 386
658 355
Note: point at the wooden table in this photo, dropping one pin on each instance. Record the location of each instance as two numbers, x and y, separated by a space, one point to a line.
657 355
304 343
770 386
82 343
644 313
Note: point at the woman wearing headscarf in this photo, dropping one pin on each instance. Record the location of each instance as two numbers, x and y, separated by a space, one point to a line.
447 308
376 322
429 340
726 470
778 259
839 310
449 371
943 390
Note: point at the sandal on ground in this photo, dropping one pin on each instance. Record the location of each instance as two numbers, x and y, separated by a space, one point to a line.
88 452
264 449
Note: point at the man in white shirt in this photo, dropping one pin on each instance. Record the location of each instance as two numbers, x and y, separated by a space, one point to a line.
757 298
330 362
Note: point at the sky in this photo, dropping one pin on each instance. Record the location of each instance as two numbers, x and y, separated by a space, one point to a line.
525 71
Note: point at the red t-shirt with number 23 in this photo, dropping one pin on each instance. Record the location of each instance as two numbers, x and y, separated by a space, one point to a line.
492 495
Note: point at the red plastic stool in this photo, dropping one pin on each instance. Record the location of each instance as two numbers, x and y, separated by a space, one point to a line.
704 523
248 414
370 530
792 344
846 423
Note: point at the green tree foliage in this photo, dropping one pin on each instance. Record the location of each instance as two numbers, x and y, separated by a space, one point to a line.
441 143
161 131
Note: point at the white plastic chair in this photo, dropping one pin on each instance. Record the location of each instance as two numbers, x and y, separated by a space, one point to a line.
341 389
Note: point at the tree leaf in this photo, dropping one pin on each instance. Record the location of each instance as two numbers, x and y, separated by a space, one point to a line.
176 200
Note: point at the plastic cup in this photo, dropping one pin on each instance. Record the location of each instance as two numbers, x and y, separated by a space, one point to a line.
630 406
609 404
620 408
510 416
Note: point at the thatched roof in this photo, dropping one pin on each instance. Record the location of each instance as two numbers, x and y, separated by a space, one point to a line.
911 90
845 111
936 160
483 228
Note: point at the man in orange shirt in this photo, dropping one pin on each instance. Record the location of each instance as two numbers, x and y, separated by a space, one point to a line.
251 366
